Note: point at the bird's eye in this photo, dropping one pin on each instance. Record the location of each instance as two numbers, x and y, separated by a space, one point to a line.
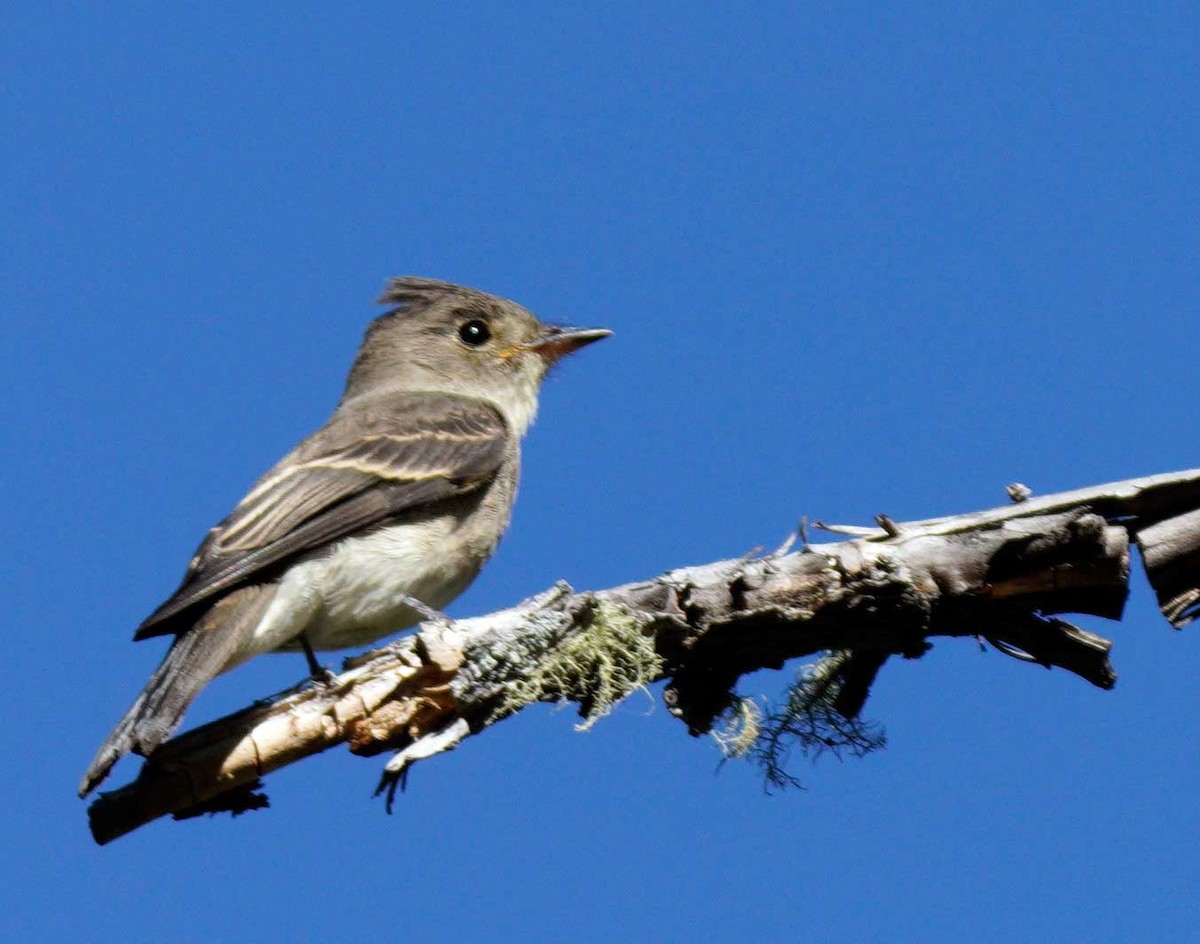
474 332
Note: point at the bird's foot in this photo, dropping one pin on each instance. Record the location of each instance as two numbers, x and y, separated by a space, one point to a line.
395 774
321 675
428 614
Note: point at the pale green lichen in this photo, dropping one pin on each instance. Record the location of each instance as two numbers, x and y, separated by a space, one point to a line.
740 728
597 667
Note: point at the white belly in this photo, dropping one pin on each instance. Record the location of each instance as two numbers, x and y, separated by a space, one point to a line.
353 594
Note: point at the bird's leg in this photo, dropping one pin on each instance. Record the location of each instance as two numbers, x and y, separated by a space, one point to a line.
319 673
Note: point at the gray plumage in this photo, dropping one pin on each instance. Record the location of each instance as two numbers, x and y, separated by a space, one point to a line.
403 493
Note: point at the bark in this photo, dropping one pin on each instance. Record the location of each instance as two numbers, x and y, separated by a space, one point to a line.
1000 575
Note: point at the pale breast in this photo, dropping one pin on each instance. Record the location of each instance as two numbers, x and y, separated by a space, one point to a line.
352 593
365 579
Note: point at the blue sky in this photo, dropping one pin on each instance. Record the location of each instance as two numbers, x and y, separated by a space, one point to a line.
857 260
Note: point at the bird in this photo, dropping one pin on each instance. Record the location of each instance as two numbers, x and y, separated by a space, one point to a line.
384 514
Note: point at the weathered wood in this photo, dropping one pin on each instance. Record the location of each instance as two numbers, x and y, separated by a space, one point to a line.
997 574
1171 551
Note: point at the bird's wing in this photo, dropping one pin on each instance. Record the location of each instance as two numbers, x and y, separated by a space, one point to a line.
356 472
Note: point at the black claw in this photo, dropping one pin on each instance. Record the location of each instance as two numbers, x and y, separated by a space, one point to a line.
391 782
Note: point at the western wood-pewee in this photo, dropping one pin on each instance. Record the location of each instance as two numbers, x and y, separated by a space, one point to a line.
395 503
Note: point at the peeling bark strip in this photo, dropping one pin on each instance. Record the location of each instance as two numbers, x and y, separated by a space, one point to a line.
1000 575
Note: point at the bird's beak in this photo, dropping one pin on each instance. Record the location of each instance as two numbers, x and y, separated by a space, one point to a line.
557 342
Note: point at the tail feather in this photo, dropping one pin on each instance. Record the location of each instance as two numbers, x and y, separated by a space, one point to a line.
195 658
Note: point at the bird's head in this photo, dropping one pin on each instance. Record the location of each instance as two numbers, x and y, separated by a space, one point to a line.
445 338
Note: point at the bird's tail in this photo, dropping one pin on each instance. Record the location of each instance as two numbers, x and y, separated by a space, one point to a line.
196 657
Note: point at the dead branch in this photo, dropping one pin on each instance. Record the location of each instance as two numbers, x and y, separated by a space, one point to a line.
1000 575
